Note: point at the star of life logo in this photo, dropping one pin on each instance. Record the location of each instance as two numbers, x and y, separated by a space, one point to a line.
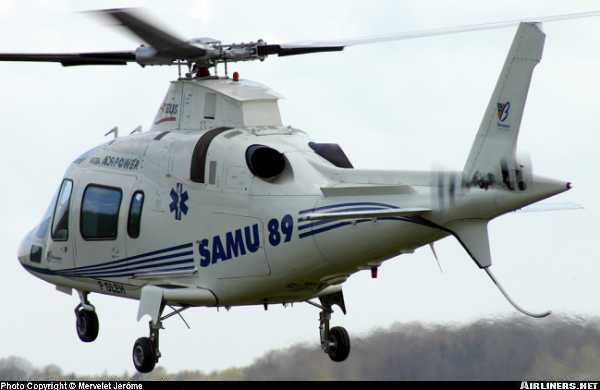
179 198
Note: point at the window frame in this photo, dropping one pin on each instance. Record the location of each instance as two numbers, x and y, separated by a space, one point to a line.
56 205
129 214
198 163
116 235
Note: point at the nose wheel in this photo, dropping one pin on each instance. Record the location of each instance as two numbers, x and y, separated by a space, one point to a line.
146 351
86 320
87 325
145 354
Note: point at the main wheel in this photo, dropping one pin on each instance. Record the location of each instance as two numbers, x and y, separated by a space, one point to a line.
340 339
144 355
87 325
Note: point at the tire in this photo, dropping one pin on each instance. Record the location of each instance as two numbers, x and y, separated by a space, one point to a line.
87 325
341 344
144 355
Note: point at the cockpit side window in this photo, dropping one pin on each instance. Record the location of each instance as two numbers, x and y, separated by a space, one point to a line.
60 221
134 220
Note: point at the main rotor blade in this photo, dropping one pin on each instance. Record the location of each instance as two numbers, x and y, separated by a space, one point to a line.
165 43
324 46
74 59
296 49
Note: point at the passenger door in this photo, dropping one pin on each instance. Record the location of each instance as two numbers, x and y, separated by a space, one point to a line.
102 210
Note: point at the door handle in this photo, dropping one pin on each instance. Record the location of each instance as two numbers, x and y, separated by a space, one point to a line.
51 256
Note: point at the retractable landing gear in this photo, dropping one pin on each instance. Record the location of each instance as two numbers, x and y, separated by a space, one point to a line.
335 341
146 349
87 324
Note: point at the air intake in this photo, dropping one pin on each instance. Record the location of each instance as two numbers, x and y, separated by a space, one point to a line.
264 162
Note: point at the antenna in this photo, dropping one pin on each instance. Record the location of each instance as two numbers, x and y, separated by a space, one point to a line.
115 131
136 130
437 260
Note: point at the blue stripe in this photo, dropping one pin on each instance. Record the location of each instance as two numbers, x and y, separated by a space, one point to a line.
342 224
137 269
45 271
188 268
125 274
326 229
111 263
316 223
333 206
104 267
324 222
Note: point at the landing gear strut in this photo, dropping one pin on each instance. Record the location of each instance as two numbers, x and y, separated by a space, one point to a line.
335 341
146 350
86 324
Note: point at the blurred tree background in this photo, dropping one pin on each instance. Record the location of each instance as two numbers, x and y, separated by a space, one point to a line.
504 349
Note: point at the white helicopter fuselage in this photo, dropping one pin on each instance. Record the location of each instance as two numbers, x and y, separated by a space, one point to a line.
241 239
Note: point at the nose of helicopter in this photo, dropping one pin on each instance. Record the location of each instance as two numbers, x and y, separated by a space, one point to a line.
24 251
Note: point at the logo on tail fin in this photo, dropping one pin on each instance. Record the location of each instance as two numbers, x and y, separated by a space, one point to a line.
503 111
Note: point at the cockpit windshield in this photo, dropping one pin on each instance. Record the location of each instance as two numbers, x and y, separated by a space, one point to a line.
42 230
60 222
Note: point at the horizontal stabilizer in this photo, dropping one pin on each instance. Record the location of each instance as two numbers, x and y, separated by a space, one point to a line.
367 189
374 214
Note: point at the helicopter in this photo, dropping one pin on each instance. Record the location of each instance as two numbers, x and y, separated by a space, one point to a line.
219 204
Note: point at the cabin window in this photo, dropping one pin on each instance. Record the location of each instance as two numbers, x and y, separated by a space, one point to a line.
135 214
60 221
100 212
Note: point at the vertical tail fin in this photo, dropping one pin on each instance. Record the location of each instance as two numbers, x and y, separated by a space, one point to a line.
492 159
